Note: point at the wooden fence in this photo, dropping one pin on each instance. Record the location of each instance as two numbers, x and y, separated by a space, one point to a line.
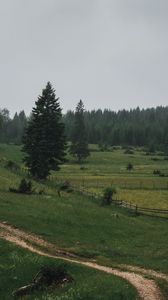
138 209
120 203
127 205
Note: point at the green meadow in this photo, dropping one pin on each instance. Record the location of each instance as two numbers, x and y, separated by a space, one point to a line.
82 225
18 267
103 169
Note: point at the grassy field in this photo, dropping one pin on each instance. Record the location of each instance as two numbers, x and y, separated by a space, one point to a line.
18 267
80 224
104 169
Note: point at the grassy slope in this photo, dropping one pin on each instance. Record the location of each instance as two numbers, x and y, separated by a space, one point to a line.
81 224
87 228
18 267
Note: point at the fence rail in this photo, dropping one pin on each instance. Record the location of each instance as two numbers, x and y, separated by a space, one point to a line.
128 205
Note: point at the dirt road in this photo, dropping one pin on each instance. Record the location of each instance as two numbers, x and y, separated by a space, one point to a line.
147 288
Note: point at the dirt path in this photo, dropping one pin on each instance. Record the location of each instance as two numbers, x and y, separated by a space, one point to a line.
147 288
148 272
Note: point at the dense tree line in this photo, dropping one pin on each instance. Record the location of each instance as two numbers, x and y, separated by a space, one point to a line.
12 129
146 127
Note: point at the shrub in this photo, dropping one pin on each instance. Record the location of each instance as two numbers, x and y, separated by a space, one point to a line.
105 147
108 195
10 165
130 167
116 147
128 151
159 173
156 172
65 186
41 192
45 278
49 275
162 175
83 168
25 187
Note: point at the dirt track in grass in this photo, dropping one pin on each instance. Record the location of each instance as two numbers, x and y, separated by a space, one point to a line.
147 288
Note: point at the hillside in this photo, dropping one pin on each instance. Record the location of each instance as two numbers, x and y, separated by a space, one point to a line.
79 224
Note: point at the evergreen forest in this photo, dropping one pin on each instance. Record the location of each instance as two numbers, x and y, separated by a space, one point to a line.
136 127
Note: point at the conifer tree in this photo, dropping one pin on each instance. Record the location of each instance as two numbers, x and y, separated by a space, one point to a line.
79 146
44 140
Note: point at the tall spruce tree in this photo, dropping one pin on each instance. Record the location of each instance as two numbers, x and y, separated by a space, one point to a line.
79 146
44 140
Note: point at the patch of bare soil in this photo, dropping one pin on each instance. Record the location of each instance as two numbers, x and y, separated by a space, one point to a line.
147 288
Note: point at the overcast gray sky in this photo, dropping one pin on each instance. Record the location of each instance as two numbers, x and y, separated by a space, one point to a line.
109 53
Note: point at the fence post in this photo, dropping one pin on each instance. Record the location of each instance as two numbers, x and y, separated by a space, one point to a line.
136 209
